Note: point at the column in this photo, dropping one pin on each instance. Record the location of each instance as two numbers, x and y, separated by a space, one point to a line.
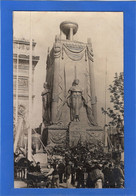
70 37
92 81
55 95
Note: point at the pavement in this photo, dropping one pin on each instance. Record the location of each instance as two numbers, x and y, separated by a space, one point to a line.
22 184
19 184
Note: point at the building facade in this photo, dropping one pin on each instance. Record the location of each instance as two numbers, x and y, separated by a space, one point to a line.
21 58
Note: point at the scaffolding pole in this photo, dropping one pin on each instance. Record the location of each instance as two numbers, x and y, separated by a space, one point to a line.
30 97
16 117
105 127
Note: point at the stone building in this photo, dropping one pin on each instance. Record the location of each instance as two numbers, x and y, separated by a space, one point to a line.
21 53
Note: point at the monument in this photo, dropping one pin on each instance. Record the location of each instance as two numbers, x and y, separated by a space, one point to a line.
69 100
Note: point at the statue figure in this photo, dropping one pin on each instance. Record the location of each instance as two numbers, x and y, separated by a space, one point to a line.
46 104
75 100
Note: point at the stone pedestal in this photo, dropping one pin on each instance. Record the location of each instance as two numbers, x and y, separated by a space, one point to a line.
55 135
76 132
94 134
79 132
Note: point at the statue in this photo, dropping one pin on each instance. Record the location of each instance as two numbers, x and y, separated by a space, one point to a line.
46 104
75 100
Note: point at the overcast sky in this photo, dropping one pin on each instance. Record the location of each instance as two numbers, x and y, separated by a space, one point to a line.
106 32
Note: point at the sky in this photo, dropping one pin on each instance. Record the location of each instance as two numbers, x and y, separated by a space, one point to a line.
106 32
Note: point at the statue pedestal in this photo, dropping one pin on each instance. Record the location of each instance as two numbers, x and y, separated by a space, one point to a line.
94 134
76 132
55 135
79 132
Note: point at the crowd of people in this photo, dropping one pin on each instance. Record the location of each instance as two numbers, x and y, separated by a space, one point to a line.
82 167
89 175
81 175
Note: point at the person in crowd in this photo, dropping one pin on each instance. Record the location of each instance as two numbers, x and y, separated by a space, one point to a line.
89 183
99 182
118 176
31 167
37 167
73 174
61 169
50 170
55 176
111 177
106 174
97 176
68 174
80 176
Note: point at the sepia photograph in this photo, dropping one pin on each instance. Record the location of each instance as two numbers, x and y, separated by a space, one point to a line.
68 99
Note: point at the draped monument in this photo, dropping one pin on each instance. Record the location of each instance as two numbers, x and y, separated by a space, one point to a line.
69 99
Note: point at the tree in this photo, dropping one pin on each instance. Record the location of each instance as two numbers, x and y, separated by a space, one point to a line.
116 113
